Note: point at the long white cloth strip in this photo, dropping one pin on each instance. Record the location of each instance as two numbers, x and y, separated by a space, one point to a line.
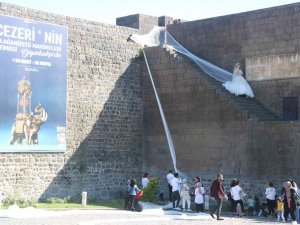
166 128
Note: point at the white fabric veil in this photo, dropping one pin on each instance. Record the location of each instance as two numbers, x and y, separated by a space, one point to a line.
159 35
153 38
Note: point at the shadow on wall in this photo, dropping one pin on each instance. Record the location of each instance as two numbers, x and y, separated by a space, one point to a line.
111 152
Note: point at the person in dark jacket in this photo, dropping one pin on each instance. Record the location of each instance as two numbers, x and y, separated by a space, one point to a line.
289 196
217 193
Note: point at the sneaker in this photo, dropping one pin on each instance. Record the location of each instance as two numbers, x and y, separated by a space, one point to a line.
220 219
189 210
177 208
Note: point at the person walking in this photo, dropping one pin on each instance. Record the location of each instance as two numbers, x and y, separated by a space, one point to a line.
280 209
127 193
133 190
170 177
237 195
289 201
194 186
271 198
145 180
176 181
199 199
250 203
232 184
217 193
185 196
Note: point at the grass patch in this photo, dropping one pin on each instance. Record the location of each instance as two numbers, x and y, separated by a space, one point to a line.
112 204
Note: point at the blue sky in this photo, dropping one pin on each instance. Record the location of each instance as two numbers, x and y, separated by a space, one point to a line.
107 11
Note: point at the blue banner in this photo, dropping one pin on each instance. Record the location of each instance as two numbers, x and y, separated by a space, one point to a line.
33 85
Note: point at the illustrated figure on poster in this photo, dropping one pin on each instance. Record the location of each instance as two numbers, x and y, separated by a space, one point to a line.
24 96
33 124
27 125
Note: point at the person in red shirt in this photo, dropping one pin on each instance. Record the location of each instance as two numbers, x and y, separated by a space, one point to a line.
217 193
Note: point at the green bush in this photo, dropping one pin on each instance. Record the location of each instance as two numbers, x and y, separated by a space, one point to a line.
70 199
150 192
21 202
54 200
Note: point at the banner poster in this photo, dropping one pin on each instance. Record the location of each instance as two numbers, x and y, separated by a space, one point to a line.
33 85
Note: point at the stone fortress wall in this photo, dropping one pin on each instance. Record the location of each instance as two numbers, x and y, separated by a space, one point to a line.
114 131
266 43
104 106
215 132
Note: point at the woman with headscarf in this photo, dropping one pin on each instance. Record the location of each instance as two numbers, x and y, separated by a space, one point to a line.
289 200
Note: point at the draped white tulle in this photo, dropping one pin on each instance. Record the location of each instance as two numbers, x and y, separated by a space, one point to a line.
238 86
154 38
159 35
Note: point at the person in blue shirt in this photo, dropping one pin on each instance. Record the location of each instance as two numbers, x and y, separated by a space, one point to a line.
133 190
250 203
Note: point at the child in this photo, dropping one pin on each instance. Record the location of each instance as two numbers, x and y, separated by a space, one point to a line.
185 195
280 209
199 200
127 193
250 203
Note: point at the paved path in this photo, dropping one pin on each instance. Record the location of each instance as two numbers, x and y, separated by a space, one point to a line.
117 217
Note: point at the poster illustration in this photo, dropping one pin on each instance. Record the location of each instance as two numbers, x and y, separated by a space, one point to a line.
33 85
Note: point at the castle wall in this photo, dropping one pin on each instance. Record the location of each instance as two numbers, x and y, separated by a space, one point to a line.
229 39
260 40
114 132
104 106
271 93
210 133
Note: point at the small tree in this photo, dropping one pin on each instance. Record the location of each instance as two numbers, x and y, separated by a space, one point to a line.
150 191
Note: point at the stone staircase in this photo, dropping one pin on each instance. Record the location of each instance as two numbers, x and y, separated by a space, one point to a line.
252 108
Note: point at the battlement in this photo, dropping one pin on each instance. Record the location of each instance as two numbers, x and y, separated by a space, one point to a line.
143 22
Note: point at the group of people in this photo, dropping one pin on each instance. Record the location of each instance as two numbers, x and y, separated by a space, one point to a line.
281 206
179 189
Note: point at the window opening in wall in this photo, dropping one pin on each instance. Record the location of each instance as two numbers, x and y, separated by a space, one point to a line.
290 108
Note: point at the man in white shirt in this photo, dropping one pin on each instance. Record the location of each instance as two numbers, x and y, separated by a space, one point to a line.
170 176
175 182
